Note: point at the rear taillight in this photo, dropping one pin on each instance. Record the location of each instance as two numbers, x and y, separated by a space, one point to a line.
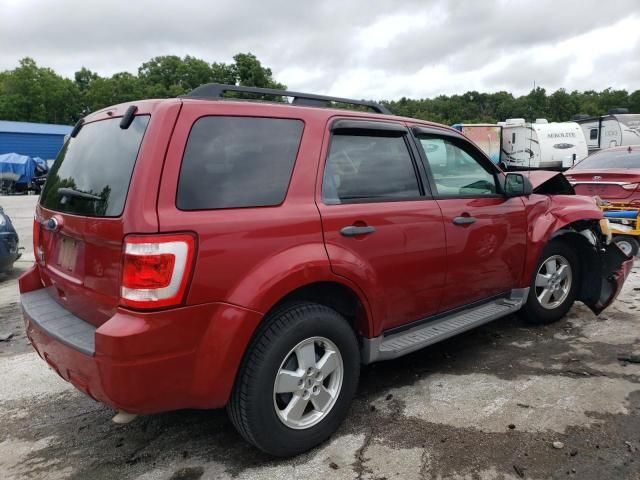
630 186
155 270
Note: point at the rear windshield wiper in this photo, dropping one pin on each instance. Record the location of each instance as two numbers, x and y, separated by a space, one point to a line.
71 192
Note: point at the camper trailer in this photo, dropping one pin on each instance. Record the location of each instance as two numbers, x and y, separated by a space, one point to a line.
618 128
524 146
551 146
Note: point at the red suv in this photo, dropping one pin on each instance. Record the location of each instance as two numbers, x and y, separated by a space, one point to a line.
207 251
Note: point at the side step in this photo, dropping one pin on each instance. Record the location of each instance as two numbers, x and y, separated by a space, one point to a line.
386 347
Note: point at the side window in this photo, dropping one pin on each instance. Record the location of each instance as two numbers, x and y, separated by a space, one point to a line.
368 168
593 134
234 162
455 172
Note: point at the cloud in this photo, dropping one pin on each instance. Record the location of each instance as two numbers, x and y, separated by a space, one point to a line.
360 48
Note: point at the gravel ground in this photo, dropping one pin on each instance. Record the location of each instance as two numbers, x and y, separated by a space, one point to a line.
487 404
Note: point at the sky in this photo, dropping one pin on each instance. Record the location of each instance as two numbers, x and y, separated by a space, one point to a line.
378 49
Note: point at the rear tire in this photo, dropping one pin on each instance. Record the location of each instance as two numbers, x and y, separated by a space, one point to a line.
554 285
297 380
628 244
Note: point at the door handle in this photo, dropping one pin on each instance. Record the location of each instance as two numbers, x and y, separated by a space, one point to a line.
352 231
464 220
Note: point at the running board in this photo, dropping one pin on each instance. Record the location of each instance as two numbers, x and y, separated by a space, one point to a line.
386 347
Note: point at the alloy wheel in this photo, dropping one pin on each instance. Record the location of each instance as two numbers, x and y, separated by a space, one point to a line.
308 383
553 282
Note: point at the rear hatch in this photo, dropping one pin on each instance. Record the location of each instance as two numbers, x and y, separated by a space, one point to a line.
97 191
614 184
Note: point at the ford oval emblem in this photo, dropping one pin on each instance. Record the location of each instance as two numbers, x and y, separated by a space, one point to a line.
597 177
563 146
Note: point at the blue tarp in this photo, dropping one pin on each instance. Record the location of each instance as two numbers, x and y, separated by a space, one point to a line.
18 168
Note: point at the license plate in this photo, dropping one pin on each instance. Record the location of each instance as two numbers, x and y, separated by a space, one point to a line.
595 190
67 254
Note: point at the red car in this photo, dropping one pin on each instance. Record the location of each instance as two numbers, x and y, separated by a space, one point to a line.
205 251
612 174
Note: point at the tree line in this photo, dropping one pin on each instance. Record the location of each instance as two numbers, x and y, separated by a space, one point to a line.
38 94
31 93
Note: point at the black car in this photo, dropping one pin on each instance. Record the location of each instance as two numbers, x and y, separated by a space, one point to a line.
9 251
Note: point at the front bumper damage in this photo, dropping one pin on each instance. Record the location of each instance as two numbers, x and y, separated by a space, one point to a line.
615 267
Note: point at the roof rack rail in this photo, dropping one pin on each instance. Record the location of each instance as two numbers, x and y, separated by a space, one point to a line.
217 90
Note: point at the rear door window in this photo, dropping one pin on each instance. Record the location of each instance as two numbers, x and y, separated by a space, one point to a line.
232 162
367 168
92 172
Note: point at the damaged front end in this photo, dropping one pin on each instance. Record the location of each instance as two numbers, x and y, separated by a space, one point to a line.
605 266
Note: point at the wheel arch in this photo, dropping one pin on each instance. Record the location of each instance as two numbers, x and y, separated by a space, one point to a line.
339 296
590 263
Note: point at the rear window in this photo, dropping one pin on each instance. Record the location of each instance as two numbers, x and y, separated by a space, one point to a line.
92 172
232 162
615 159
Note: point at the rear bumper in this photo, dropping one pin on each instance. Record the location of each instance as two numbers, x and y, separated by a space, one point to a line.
142 362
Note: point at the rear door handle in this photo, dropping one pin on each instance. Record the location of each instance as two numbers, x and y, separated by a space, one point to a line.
464 220
352 231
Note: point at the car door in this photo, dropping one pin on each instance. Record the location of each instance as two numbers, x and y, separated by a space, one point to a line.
485 230
382 229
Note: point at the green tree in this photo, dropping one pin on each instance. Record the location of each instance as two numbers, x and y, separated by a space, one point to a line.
170 75
119 88
562 106
83 78
634 102
34 94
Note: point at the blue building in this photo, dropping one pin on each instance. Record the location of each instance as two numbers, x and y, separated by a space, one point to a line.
42 140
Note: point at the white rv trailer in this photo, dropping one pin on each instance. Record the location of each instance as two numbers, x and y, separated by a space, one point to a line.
556 146
616 129
525 146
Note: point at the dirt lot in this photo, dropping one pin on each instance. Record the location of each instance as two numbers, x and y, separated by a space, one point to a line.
487 404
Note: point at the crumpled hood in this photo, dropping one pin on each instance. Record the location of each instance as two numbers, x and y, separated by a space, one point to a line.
551 183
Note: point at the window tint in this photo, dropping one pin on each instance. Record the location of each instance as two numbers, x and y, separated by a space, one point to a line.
593 134
606 159
455 172
362 167
238 162
92 173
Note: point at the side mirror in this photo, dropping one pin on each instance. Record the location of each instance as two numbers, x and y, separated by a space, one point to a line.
517 185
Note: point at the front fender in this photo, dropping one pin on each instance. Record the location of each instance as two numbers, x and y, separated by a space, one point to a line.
548 215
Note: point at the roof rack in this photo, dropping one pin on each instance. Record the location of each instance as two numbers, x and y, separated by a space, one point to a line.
217 90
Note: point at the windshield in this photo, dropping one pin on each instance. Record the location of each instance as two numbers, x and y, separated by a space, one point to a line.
92 172
610 159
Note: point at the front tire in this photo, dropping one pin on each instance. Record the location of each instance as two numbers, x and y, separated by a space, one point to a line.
297 380
554 286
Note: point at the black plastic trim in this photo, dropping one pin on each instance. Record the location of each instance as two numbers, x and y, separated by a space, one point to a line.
57 322
128 117
217 91
76 128
370 126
